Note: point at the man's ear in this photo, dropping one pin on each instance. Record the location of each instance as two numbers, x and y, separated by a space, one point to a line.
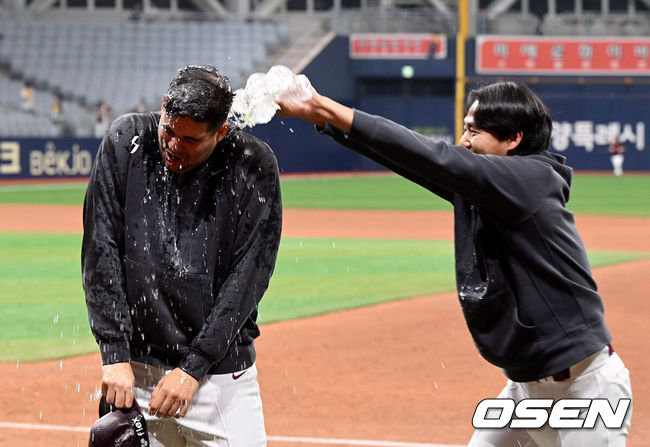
223 130
513 142
162 106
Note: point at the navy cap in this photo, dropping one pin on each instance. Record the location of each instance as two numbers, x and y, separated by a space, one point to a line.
119 427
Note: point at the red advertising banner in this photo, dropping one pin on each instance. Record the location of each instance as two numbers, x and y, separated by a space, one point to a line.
566 55
398 46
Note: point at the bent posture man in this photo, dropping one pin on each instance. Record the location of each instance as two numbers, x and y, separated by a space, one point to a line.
182 225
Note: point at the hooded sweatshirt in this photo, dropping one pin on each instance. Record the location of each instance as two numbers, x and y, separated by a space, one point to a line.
522 274
174 265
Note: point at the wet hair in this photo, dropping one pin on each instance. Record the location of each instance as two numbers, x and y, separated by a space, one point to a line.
200 93
505 108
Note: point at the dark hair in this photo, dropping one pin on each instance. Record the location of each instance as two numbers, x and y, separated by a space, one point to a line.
199 93
505 108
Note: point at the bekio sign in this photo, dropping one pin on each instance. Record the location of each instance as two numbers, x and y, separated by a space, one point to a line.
41 158
535 413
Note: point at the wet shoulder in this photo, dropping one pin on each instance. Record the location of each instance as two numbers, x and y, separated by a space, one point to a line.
125 128
242 147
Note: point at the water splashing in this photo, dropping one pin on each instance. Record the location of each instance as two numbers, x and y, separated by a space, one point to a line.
255 103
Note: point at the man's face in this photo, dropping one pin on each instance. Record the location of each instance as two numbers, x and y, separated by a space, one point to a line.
185 143
481 141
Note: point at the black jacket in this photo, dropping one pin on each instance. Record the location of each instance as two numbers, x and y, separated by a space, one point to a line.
522 273
174 266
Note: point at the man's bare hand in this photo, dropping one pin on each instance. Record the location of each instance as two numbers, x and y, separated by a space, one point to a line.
300 109
117 384
173 394
318 110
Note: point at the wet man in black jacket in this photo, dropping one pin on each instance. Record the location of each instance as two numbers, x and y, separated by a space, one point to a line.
522 273
182 222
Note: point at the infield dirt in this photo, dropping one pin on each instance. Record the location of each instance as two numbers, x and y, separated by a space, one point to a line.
403 371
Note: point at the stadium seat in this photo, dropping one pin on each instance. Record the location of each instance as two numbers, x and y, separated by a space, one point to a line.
122 61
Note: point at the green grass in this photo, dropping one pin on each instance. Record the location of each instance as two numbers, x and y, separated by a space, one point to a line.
314 276
42 310
591 194
44 193
372 192
43 314
606 194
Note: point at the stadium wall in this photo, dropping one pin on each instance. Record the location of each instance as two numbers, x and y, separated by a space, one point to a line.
584 114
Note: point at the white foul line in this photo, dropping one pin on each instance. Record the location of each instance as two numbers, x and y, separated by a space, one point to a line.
359 442
19 426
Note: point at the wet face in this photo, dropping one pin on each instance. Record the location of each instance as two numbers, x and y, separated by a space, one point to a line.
185 143
481 141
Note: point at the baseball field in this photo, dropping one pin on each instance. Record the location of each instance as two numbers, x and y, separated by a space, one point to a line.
363 341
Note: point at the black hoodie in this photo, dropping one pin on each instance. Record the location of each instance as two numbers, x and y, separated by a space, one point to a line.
522 273
174 266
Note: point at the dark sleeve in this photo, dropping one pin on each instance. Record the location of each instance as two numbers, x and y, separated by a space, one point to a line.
358 146
102 253
256 243
510 187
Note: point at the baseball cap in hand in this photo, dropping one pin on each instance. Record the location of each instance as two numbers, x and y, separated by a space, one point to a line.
119 427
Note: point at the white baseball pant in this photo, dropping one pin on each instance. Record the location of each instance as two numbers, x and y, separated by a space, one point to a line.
617 164
598 376
226 411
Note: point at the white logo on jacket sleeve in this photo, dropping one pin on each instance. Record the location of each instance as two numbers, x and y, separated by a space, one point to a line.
135 145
